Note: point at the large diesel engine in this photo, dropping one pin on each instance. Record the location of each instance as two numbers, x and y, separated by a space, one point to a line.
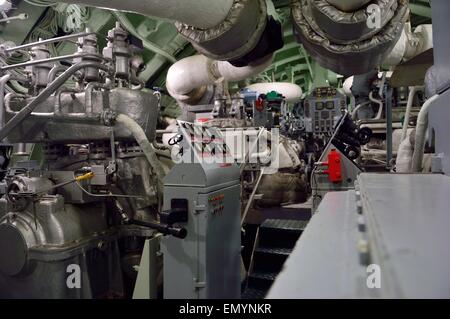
92 125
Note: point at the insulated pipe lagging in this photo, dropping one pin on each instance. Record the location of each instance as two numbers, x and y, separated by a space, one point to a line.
194 72
203 14
404 156
291 92
238 31
421 129
141 138
412 93
231 73
348 5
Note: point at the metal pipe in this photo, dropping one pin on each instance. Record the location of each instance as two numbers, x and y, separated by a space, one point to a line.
165 229
188 75
3 82
419 140
144 143
357 108
21 150
389 130
85 118
251 150
5 79
92 118
291 92
146 43
54 72
380 106
239 31
160 132
202 14
252 197
8 98
49 41
54 59
412 93
89 89
45 94
58 98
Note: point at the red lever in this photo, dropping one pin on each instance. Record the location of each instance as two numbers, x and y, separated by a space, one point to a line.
259 103
334 170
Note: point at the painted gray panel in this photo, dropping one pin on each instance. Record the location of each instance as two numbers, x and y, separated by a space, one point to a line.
407 220
324 263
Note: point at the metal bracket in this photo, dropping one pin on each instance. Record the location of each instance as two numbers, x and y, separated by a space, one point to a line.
199 284
198 208
112 166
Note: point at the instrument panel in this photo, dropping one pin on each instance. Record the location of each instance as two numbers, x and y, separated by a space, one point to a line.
323 109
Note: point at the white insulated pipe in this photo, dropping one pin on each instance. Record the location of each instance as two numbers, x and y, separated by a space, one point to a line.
410 44
412 93
147 147
421 129
202 14
197 71
380 106
291 92
404 155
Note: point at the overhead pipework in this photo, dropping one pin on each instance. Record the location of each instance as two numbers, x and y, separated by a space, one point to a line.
236 37
290 91
349 37
411 44
188 79
202 14
238 31
348 5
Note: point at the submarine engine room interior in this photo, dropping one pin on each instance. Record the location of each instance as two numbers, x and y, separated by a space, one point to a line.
224 149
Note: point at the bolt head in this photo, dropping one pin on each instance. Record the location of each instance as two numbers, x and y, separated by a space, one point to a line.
359 207
361 224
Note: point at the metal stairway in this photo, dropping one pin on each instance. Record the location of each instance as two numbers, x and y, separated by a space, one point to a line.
274 242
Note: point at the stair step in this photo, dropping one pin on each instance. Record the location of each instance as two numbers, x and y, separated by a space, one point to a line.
276 239
274 250
265 275
261 280
268 259
284 224
251 293
280 233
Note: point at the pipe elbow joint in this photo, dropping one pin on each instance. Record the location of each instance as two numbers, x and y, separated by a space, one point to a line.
246 35
345 42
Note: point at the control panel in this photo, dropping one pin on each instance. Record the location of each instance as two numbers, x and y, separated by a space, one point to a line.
196 143
323 109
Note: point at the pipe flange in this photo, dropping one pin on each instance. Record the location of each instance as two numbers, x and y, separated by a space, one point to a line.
235 37
348 59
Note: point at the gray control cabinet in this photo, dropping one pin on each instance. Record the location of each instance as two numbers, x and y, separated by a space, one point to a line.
323 109
206 264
